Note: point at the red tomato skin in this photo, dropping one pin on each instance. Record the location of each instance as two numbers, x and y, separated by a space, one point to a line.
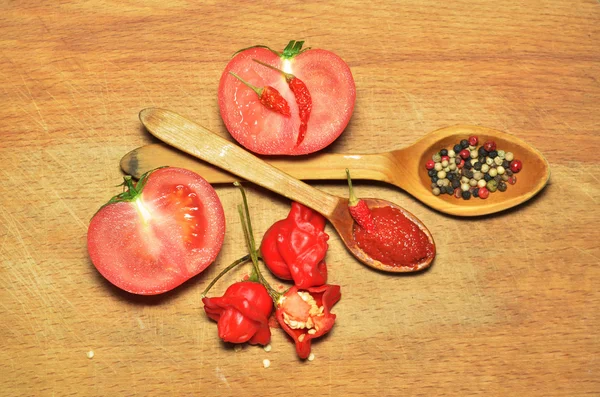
263 131
182 237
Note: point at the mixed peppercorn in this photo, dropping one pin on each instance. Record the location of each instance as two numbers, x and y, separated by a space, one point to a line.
466 170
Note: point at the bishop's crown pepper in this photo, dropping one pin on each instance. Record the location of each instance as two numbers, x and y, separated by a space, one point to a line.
294 248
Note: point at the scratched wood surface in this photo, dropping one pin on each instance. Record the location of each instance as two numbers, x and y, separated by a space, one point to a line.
510 306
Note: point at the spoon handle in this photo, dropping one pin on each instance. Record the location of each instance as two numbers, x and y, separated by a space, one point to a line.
321 166
200 142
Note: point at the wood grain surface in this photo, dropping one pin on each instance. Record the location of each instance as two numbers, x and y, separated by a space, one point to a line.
510 305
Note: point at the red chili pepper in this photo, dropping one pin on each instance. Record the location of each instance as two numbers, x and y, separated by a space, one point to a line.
359 210
305 314
303 99
269 97
294 248
242 313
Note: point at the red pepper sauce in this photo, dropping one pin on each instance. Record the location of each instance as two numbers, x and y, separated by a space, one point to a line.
396 241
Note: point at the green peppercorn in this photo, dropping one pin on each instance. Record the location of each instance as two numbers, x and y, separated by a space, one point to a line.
473 183
497 161
436 191
478 175
500 170
505 177
501 154
509 156
438 166
437 157
492 185
485 168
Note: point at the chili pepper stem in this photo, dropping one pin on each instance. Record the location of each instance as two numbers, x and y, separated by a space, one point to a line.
352 200
238 262
288 76
258 90
244 213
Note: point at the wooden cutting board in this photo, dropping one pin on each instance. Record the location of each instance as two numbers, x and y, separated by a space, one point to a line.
510 305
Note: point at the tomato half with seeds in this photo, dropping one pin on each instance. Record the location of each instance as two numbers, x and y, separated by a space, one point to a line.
158 233
325 108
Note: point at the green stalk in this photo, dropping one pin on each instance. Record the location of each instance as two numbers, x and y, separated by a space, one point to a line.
238 262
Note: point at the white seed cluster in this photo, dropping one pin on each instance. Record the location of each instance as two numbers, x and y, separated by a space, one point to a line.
308 324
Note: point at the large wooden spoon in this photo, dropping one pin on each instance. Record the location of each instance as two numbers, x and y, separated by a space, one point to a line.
202 143
403 168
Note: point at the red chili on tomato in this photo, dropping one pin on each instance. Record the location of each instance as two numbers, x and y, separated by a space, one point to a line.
322 77
159 233
242 313
306 314
294 248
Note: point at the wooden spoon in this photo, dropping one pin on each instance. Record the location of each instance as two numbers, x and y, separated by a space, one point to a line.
403 168
202 143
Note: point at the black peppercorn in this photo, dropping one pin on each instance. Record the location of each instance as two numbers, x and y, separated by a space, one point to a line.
444 152
464 144
432 172
493 154
457 148
455 183
502 186
482 152
466 195
506 164
457 160
487 177
476 192
467 165
508 172
434 179
477 166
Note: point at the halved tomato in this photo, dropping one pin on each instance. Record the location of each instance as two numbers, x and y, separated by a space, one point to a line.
265 131
159 233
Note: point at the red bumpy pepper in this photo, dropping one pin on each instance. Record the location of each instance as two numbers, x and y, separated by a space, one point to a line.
269 97
305 314
303 99
359 209
242 313
294 248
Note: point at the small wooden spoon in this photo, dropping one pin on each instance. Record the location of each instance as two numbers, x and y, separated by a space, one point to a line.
204 144
404 168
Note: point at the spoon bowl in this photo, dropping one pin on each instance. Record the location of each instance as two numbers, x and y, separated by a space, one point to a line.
202 143
404 168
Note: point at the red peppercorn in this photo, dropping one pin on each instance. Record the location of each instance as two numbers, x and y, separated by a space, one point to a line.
489 146
430 164
461 164
512 180
465 154
483 193
447 158
457 193
473 140
516 165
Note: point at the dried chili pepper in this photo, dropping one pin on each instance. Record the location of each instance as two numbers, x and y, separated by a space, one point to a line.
269 97
294 248
358 209
242 313
305 314
303 99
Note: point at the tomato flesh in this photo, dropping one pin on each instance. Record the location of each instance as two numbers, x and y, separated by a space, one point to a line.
264 131
170 233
